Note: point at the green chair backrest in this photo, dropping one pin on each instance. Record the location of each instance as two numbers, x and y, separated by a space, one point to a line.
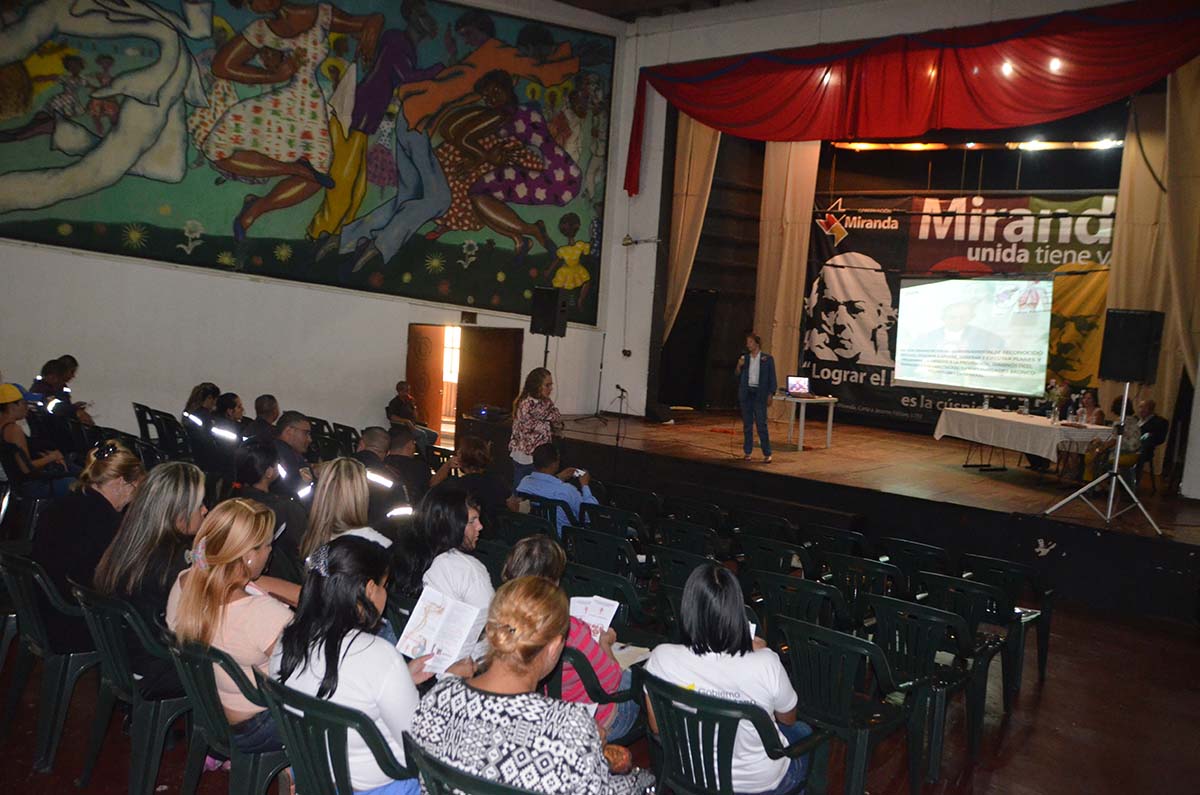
826 667
315 733
911 635
196 665
675 565
599 550
855 576
580 580
515 526
34 510
772 556
643 502
686 509
977 602
612 520
550 509
806 600
111 622
698 733
682 534
492 553
440 778
913 556
832 539
24 578
765 525
1015 578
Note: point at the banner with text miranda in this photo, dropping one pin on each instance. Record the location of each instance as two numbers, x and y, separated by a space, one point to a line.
861 247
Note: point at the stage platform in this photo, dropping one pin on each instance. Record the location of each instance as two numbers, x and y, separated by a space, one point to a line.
892 483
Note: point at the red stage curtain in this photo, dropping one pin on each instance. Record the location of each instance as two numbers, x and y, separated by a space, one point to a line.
903 86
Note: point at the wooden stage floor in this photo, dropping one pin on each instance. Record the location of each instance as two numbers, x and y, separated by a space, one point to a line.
895 462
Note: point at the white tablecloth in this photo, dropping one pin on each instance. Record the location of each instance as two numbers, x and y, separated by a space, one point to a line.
1012 431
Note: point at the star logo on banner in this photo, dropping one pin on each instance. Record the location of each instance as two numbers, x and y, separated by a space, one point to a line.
832 224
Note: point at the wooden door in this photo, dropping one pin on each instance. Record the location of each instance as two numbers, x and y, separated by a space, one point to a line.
423 370
489 370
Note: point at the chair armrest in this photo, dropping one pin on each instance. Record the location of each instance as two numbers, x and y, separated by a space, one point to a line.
801 747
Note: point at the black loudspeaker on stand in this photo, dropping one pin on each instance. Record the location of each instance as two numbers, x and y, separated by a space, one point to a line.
1132 338
548 316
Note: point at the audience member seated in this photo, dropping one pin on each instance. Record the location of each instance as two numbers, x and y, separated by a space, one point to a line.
518 736
385 487
535 421
51 388
331 651
402 458
266 413
255 469
1153 431
230 413
202 403
403 408
217 603
339 507
149 551
540 556
77 529
19 459
448 523
718 657
547 480
293 435
490 491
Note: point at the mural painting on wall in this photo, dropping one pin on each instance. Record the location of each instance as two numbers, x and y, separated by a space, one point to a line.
415 148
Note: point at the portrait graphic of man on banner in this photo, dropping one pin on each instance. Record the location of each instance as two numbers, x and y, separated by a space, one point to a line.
849 312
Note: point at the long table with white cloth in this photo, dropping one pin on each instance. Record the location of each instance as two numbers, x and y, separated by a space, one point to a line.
1012 431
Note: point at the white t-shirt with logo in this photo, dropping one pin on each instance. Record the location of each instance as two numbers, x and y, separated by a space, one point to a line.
756 677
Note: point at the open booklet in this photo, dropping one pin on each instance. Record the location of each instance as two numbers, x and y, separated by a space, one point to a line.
595 611
444 627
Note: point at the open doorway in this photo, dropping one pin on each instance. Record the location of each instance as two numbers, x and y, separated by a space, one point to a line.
452 369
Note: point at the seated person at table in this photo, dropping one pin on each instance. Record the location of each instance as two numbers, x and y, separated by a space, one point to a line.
540 556
719 658
548 480
402 458
1088 404
1153 429
76 529
518 736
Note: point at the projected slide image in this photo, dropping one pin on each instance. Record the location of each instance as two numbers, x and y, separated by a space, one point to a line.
979 335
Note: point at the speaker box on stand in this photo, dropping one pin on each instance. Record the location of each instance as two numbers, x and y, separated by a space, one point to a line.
548 316
1132 338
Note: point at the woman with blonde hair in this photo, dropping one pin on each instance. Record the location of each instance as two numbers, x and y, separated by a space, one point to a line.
535 421
77 528
340 506
216 603
523 738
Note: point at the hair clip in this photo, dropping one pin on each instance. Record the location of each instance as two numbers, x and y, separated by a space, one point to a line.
103 451
318 561
511 630
196 556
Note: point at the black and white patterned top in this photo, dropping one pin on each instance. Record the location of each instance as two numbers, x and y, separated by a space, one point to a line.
526 740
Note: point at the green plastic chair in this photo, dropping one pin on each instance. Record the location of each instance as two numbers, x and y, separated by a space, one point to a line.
980 603
670 609
316 732
515 526
685 535
492 554
580 580
440 778
675 565
249 774
912 556
699 512
548 508
772 556
832 539
806 600
111 622
1016 579
596 692
911 635
855 576
614 521
826 669
601 551
643 502
764 525
697 734
60 670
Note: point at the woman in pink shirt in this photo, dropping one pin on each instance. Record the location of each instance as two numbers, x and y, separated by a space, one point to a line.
535 421
541 556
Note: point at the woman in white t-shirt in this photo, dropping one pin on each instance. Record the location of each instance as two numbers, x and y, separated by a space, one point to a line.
448 520
719 658
331 651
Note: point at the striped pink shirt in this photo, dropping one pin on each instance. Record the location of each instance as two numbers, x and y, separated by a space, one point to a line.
607 671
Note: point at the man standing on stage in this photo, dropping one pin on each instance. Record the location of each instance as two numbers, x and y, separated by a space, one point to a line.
756 385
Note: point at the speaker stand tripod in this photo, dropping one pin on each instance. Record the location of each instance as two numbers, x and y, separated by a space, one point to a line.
1113 477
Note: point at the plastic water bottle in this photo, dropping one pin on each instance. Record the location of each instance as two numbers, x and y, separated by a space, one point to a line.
986 405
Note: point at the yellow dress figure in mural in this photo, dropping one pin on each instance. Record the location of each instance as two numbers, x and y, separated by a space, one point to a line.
571 274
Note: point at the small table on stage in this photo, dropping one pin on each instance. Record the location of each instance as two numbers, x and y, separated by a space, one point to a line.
804 403
1009 430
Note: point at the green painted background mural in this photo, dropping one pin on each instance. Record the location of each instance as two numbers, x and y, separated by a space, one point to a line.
411 147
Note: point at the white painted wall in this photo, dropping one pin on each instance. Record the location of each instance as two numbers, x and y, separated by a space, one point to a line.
149 332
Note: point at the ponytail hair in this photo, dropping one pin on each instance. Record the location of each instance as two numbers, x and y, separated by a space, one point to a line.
526 615
333 604
108 461
233 529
